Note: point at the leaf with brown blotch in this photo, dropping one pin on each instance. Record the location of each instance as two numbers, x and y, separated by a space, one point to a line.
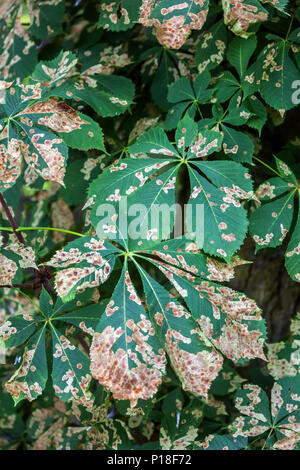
281 416
24 135
126 356
82 263
31 377
229 320
239 15
195 360
173 22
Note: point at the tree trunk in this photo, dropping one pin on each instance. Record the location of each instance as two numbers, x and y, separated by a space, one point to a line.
268 283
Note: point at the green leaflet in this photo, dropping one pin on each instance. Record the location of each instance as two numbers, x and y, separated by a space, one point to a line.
71 373
270 223
228 381
52 71
126 356
272 188
133 186
292 261
31 377
273 74
259 113
286 173
48 22
211 48
220 204
16 330
239 52
237 145
120 15
22 23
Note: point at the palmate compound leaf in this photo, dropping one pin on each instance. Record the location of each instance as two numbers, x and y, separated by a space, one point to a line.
25 134
273 75
271 222
188 96
133 336
173 21
281 416
216 187
70 367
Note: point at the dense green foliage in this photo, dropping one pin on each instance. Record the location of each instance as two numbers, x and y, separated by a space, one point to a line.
126 334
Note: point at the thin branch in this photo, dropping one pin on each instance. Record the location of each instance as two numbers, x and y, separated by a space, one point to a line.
16 230
25 284
53 229
48 286
12 221
83 344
